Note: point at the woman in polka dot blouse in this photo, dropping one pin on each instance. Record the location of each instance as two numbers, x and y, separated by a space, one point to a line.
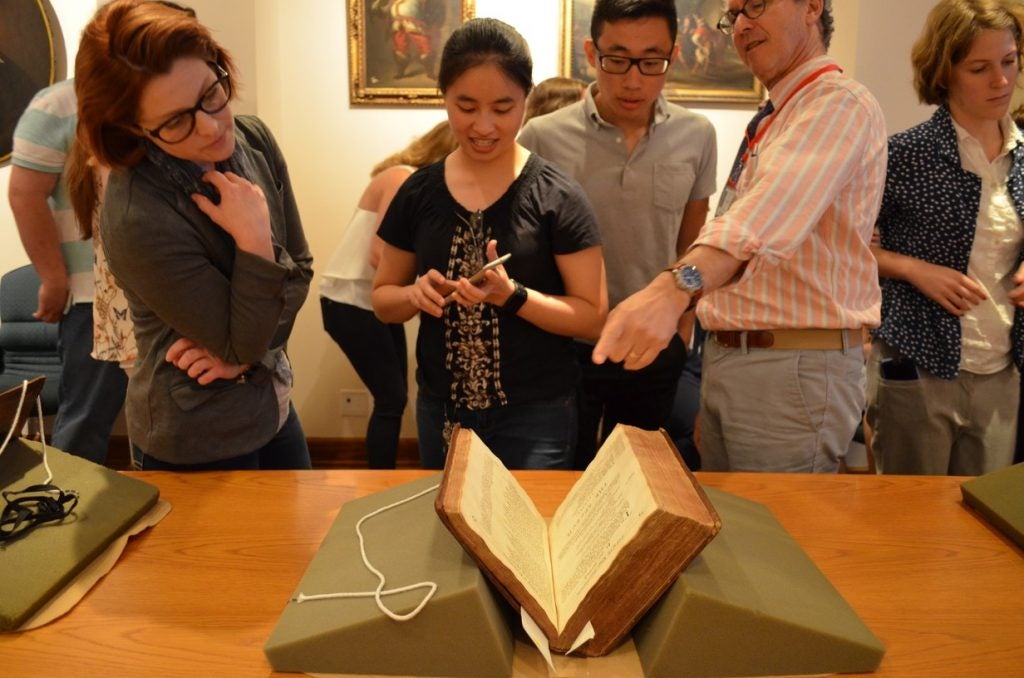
944 374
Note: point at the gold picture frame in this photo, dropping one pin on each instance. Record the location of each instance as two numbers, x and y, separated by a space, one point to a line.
32 57
395 48
708 69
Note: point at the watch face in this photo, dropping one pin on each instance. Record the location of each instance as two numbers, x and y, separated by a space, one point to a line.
691 278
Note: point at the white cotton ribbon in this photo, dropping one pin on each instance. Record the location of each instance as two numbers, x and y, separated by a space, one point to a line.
42 432
380 592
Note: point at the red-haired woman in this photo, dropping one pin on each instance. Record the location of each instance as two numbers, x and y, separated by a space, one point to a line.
201 229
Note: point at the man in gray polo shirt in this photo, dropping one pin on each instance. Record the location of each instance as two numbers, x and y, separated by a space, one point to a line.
648 168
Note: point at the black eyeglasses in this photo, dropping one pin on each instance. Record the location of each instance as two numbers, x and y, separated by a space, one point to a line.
619 65
750 9
179 126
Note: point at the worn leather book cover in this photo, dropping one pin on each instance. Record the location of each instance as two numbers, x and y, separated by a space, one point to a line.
627 528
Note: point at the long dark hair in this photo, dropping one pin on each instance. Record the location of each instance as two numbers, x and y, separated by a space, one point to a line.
480 41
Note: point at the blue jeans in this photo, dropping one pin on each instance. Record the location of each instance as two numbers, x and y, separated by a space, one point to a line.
91 391
681 425
536 435
378 355
286 450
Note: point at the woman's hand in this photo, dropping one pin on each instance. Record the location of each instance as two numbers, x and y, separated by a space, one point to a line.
428 292
494 289
200 364
947 287
242 212
1017 293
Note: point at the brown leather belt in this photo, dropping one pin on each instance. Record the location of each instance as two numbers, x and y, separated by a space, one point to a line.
807 339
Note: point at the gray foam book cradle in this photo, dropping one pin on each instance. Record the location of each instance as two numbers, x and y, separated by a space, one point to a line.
752 603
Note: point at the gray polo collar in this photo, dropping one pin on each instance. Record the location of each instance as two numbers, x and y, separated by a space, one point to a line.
661 112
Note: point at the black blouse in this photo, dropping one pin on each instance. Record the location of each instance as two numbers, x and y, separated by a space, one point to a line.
481 357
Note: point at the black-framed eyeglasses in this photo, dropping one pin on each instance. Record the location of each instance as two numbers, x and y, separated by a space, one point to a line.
178 127
750 9
619 65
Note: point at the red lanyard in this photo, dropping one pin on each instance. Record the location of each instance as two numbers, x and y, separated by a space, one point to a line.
803 83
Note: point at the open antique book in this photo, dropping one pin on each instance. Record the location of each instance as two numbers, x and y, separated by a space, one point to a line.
627 528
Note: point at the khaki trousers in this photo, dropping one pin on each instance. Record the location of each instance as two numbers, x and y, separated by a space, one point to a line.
965 426
779 410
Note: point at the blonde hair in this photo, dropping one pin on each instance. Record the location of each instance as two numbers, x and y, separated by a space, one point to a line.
950 29
422 151
551 94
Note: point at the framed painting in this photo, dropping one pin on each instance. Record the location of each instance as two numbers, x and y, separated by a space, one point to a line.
395 48
708 68
31 57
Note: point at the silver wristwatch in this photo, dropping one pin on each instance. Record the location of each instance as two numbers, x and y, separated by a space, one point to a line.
689 280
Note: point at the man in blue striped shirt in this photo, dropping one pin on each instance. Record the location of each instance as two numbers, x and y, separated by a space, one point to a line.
91 391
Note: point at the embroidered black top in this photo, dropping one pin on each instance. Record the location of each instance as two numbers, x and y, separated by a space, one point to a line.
481 357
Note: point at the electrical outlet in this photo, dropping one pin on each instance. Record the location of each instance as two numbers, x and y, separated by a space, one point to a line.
355 403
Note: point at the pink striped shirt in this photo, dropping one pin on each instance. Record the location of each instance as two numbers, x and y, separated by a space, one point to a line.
804 211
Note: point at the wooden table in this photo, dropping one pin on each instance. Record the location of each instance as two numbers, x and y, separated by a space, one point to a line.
199 594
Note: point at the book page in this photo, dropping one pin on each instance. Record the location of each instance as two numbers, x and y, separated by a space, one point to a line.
501 513
602 513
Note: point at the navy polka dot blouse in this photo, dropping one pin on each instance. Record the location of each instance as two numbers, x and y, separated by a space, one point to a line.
929 211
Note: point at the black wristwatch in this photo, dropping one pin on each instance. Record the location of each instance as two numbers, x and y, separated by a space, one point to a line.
688 279
516 299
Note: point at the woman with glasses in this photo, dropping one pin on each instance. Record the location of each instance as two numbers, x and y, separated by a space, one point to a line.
496 357
201 229
951 244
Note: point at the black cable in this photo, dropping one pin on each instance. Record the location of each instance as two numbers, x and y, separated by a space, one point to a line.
33 506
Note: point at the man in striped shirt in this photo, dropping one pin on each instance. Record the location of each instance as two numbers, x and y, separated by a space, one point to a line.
784 271
91 391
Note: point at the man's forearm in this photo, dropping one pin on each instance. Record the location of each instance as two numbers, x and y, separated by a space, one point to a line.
36 225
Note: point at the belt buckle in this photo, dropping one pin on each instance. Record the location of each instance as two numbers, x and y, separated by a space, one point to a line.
728 338
760 339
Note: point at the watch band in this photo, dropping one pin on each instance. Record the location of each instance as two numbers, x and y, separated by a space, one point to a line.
516 300
688 279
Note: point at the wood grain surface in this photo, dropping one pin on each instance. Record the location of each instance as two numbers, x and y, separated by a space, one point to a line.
200 593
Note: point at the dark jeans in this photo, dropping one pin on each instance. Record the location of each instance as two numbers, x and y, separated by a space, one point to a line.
378 355
610 395
680 424
536 435
91 391
287 450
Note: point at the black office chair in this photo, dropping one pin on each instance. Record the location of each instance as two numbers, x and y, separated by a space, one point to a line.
28 347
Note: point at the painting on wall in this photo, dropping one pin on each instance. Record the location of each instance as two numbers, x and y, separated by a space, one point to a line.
708 68
31 57
395 48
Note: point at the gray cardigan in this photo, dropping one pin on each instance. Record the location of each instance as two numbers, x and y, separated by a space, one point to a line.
184 277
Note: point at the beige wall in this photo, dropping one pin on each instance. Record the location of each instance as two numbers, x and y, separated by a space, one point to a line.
294 62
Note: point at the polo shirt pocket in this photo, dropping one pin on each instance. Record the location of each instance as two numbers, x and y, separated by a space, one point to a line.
672 184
